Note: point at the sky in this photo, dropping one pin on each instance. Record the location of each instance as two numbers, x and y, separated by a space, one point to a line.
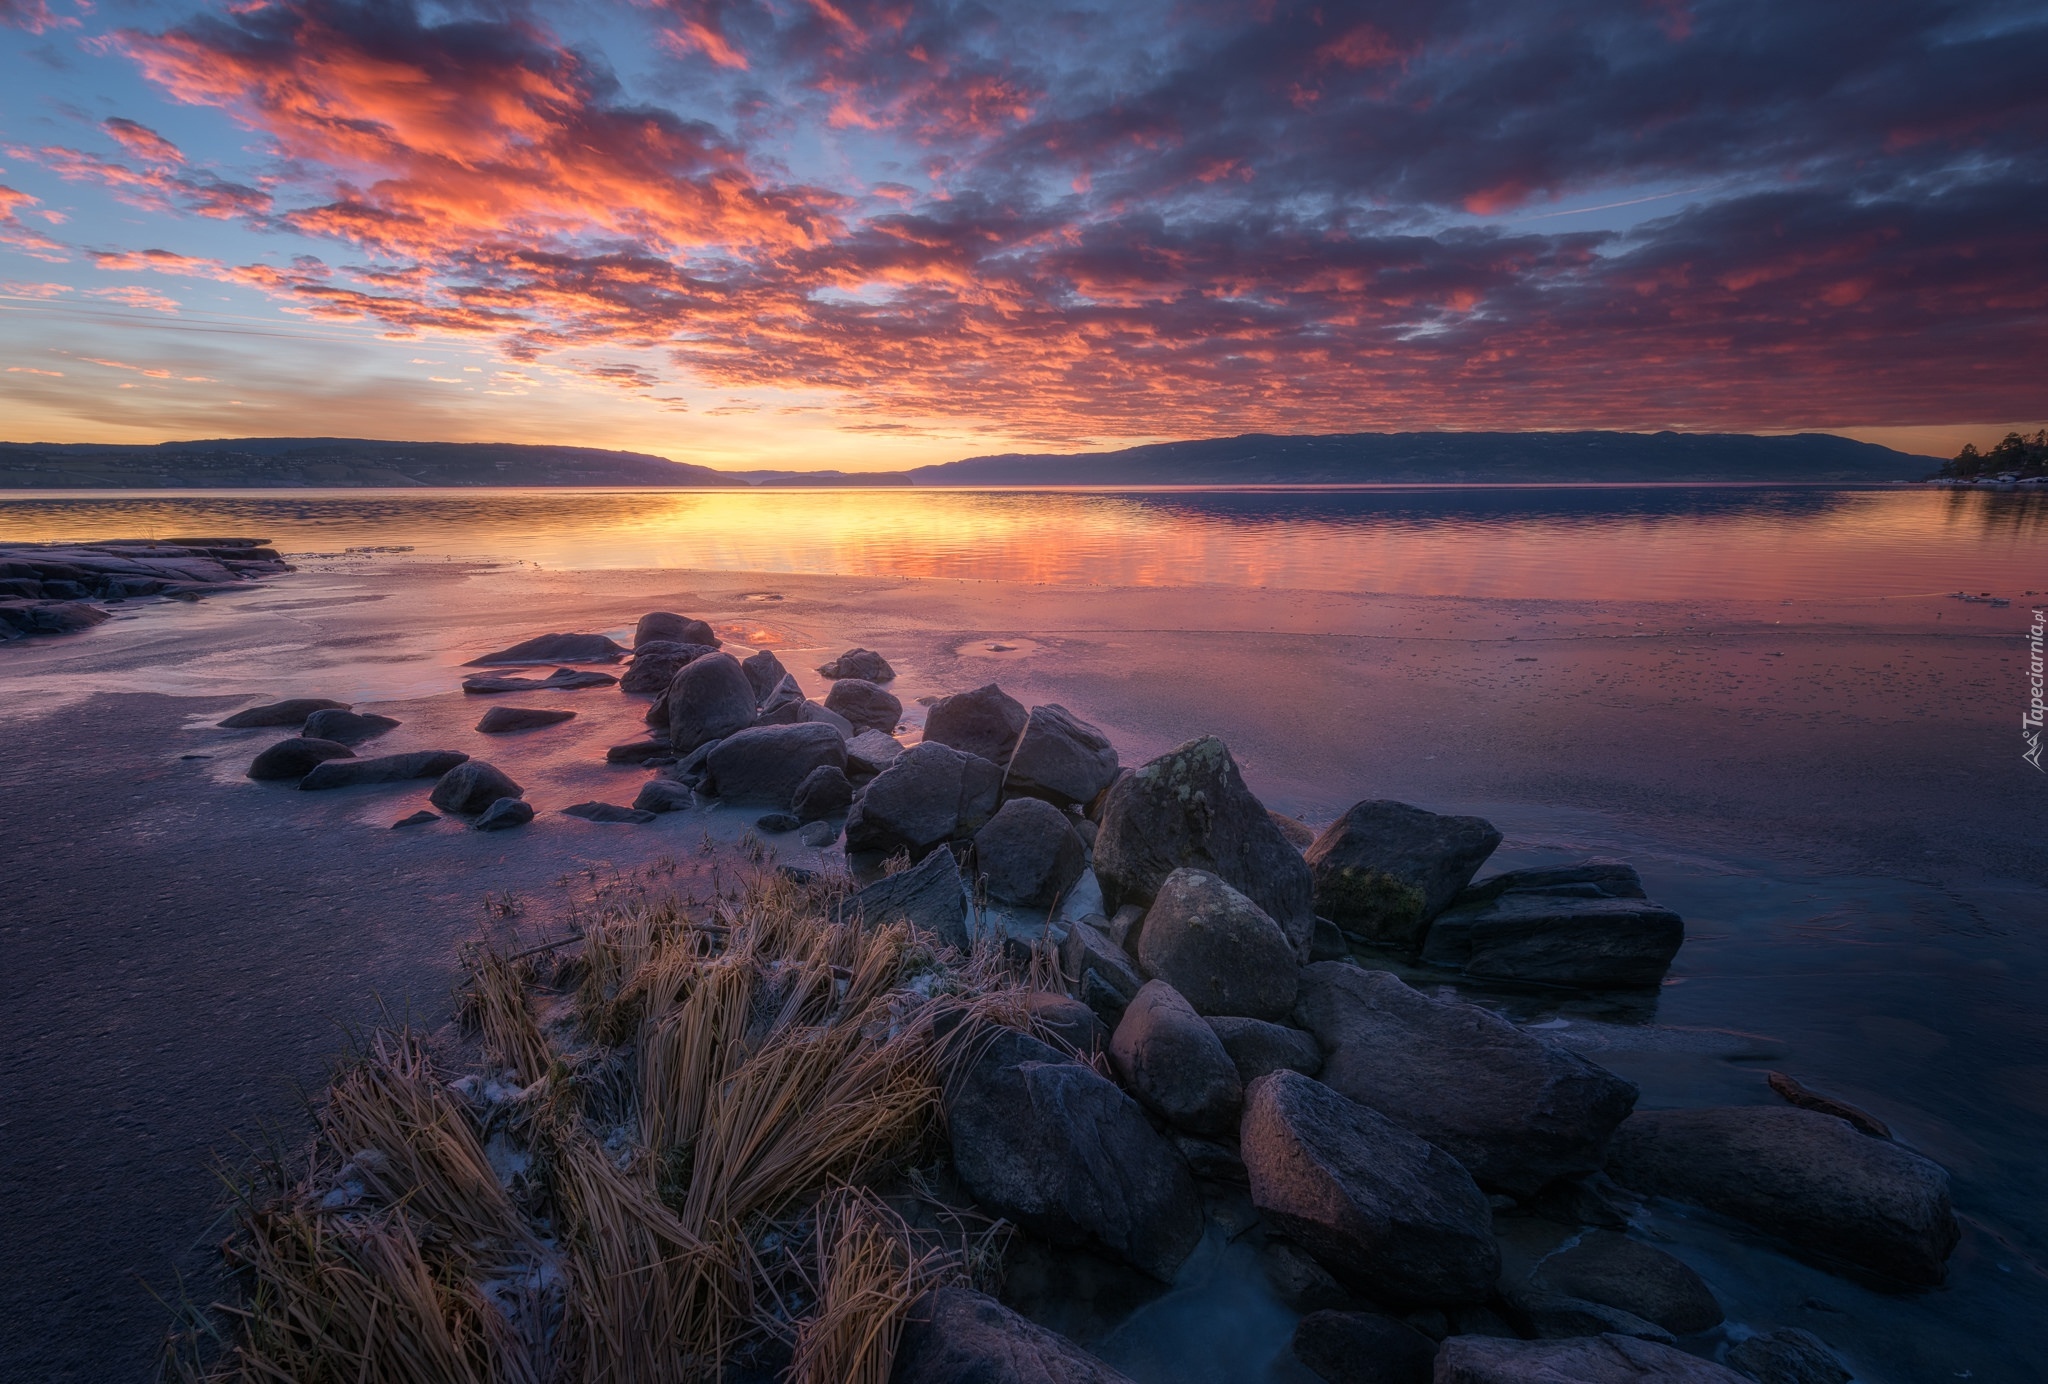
834 233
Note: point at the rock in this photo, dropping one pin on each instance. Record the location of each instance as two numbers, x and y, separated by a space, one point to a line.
825 792
608 813
958 1336
864 704
1066 1022
667 627
1519 1112
1257 1047
389 768
561 680
710 698
417 819
691 770
1217 947
295 757
1788 1356
292 712
1584 1360
865 664
1190 808
504 814
1831 1193
930 794
473 786
1299 834
810 713
870 752
48 617
1363 1348
783 706
639 752
502 720
657 712
1212 1160
1553 1316
1126 928
928 896
656 663
764 672
1387 1213
1328 944
1103 977
1637 1278
664 795
555 648
818 834
1029 854
1585 926
1059 1150
985 722
1384 869
767 764
1796 1094
1298 1280
1175 1063
1060 758
777 823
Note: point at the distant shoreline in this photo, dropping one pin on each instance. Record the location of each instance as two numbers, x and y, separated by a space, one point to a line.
1256 487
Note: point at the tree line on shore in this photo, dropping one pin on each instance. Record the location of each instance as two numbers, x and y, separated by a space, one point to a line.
2016 455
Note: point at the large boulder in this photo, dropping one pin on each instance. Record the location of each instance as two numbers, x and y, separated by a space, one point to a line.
473 786
709 698
959 1336
1029 853
865 664
986 721
1829 1192
1189 808
1101 971
1586 926
1175 1063
928 896
1517 1111
555 648
825 792
1048 1143
930 794
290 712
1389 1214
1217 947
666 626
1061 758
1363 1348
870 752
1605 1359
656 663
765 671
502 720
389 768
295 758
1639 1279
1384 869
767 764
864 704
346 727
812 714
1257 1047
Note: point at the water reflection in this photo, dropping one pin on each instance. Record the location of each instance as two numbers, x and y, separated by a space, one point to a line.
1588 543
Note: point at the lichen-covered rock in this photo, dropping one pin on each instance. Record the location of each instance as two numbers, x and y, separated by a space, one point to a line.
1029 854
1384 869
1218 948
985 722
1061 758
1174 1063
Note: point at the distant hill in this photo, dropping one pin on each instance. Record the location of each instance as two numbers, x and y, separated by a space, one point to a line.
1450 458
261 462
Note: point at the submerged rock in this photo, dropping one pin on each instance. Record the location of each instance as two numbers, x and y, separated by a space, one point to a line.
1607 1359
1363 1348
930 794
958 1336
1175 1063
608 813
1218 948
504 814
1061 758
1384 869
291 712
295 758
1586 926
1029 854
555 648
473 786
502 720
767 764
417 819
666 626
865 664
928 896
561 680
985 722
867 706
710 698
390 768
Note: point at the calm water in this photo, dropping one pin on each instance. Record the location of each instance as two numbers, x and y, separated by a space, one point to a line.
1591 543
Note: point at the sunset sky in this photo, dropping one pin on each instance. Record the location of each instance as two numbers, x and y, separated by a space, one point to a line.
867 235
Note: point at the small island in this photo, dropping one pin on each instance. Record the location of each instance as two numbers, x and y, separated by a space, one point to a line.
2016 459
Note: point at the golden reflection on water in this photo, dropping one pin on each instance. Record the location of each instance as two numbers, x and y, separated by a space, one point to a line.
1579 543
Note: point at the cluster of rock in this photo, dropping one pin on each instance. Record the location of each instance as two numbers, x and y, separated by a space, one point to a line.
52 588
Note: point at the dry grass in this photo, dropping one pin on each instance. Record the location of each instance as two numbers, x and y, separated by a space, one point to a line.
676 1180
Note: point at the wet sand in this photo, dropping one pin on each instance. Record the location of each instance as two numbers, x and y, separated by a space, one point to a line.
1832 795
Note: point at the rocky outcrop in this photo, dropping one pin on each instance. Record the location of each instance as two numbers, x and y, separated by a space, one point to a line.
867 706
555 648
929 795
1389 1214
1174 1063
1636 1278
473 786
1384 869
985 722
767 764
710 698
346 727
1363 1348
666 626
1517 1111
295 758
1061 758
1059 1150
1029 854
44 587
865 664
1585 926
291 712
1189 808
1217 947
1830 1192
1607 1359
1257 1047
928 896
958 1336
389 768
503 720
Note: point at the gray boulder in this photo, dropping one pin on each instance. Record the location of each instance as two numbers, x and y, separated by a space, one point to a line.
865 664
1389 1214
1029 854
1257 1047
985 722
1640 1279
346 727
504 814
555 648
958 1336
666 626
1517 1111
1607 1359
767 764
1101 972
1189 808
656 663
870 752
825 792
1363 1348
663 795
1829 1192
930 794
708 699
1217 947
1059 1150
1788 1356
608 813
291 712
1586 926
1175 1063
1061 758
1384 869
473 786
783 706
764 671
867 706
389 768
501 720
295 758
928 896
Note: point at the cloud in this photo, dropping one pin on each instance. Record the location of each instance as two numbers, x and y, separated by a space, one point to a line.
22 237
141 141
33 15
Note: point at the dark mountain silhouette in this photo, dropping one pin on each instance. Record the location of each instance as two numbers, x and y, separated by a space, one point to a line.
258 462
